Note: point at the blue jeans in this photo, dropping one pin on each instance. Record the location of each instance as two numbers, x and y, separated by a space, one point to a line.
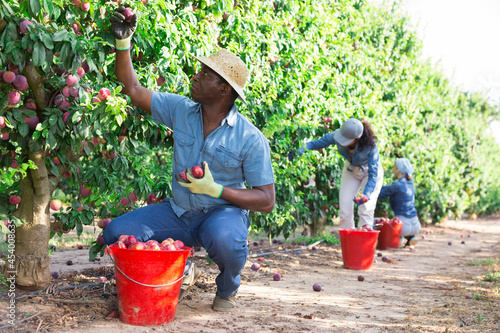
221 230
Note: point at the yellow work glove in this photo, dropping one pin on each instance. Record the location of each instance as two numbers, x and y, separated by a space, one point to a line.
204 185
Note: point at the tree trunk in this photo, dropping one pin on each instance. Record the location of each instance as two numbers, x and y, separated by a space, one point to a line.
318 225
32 238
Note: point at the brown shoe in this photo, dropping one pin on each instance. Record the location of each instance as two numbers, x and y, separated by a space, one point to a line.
225 304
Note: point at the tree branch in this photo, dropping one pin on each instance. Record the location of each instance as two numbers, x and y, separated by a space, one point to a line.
36 84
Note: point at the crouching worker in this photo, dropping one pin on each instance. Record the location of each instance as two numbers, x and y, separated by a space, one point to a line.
401 196
211 211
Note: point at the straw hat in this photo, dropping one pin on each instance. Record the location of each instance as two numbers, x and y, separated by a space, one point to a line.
230 67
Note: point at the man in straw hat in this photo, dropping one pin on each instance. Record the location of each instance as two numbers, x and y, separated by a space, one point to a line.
211 211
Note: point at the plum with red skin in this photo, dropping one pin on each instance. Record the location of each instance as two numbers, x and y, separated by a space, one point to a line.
9 77
14 199
255 267
168 247
104 93
277 277
197 171
128 13
317 287
153 247
71 80
55 204
137 246
55 275
179 245
14 97
361 278
182 174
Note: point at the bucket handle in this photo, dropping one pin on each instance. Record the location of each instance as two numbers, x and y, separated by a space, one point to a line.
140 283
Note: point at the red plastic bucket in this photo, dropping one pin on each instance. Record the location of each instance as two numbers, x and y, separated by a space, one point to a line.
358 248
390 235
148 284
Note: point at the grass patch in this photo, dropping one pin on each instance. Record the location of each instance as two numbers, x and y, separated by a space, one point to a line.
492 277
485 262
329 239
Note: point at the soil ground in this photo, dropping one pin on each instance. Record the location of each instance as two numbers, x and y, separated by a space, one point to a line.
435 288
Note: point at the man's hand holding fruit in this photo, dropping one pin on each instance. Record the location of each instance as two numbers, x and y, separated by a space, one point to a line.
200 180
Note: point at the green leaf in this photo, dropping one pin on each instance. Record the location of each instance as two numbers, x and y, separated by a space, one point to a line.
47 41
52 120
94 250
36 135
35 6
60 35
4 102
38 54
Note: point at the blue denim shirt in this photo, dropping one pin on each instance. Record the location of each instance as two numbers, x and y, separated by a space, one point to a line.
401 197
236 152
360 157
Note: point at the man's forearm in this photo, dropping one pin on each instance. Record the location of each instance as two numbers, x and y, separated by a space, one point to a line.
124 71
259 199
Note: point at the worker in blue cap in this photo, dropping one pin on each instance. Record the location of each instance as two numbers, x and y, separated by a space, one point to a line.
401 196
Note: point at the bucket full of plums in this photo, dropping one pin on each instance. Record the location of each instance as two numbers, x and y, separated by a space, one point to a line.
148 278
390 232
358 247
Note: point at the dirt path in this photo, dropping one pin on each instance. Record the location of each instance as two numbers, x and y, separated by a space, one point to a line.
416 291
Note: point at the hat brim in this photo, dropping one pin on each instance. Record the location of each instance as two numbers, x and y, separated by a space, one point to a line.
342 140
213 66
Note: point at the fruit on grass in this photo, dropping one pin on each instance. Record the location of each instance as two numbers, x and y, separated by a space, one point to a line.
468 296
55 204
197 171
385 259
449 243
277 277
80 246
361 278
260 259
14 199
69 262
255 267
379 254
317 287
54 274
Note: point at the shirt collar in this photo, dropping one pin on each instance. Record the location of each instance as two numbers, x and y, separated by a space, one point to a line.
231 117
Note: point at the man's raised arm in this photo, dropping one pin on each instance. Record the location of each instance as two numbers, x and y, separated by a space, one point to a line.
123 25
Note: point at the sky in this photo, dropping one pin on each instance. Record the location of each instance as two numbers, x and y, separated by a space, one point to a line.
462 38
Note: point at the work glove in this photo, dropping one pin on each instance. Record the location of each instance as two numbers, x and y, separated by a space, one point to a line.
204 185
362 199
122 30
